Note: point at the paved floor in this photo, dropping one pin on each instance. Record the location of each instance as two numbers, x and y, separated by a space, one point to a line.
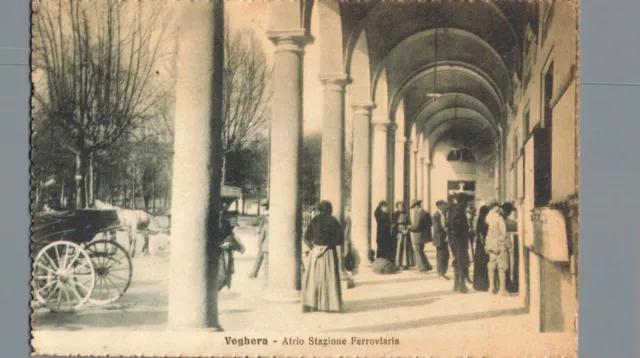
408 302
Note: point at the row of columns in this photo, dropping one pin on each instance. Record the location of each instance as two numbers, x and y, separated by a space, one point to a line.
193 298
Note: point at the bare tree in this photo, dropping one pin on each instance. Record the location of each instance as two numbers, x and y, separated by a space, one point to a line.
246 79
97 61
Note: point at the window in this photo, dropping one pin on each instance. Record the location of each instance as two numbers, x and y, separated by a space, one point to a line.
530 53
548 94
461 155
547 16
526 126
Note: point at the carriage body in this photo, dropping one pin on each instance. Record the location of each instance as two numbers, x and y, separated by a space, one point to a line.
72 264
77 226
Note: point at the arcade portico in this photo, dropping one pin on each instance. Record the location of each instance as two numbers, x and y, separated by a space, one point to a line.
426 98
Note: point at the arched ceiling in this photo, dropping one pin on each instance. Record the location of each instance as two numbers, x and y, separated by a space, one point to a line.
389 23
451 114
419 51
448 81
452 101
478 50
463 132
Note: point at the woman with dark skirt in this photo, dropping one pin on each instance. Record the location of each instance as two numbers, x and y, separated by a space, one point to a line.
385 256
481 259
404 250
383 238
321 289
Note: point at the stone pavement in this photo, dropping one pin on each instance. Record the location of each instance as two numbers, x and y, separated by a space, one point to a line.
409 302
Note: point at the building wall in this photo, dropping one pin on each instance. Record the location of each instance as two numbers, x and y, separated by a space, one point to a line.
553 290
443 171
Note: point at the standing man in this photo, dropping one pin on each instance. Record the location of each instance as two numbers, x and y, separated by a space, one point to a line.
440 238
263 243
458 228
420 234
498 245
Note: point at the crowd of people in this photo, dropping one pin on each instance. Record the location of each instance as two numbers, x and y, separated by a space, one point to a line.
401 237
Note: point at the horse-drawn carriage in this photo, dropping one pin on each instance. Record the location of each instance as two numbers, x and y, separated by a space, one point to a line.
74 262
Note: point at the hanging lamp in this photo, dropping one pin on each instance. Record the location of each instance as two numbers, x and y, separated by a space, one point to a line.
434 95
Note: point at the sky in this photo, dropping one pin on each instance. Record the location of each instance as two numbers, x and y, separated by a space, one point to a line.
239 15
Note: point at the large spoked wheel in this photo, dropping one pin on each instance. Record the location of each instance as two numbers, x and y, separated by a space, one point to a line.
63 276
113 269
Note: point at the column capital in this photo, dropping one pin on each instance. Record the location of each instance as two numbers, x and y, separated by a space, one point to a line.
401 140
291 40
363 107
335 81
381 124
393 127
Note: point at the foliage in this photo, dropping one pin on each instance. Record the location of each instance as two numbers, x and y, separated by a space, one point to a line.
246 78
311 154
97 62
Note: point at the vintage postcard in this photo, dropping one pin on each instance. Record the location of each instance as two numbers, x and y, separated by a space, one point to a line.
305 178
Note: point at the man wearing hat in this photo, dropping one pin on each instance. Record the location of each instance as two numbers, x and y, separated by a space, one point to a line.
458 230
420 234
440 238
498 245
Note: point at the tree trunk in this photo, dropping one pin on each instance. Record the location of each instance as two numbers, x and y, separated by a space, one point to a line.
36 201
62 200
79 183
125 199
86 180
224 170
153 195
91 180
132 203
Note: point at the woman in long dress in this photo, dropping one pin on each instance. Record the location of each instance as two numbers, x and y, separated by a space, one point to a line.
383 238
385 255
481 259
321 283
404 250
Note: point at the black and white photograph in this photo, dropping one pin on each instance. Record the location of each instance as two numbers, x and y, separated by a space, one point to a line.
304 178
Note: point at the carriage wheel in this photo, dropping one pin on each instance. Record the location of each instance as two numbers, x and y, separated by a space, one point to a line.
113 269
63 276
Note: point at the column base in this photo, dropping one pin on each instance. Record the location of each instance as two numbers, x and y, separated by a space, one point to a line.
282 295
195 329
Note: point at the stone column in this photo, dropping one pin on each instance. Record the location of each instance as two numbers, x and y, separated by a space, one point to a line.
379 165
407 174
419 171
398 170
285 220
333 150
361 183
423 166
427 189
412 173
197 163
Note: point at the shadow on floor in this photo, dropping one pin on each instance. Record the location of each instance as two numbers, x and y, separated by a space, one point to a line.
390 299
393 279
433 321
102 319
350 308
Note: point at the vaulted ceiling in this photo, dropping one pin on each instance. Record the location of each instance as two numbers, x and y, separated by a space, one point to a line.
466 53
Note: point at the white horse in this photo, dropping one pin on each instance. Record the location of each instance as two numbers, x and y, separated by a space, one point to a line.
130 221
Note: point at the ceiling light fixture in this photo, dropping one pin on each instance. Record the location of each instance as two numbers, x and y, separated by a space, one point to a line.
435 94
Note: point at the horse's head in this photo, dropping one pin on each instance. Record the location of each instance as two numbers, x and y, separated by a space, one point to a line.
100 205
